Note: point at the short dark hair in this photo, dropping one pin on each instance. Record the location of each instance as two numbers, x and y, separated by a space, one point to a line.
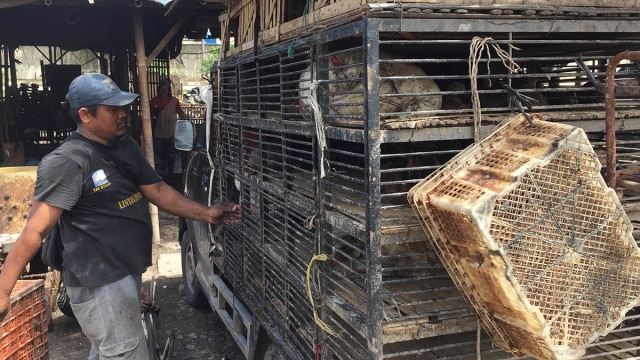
73 113
167 83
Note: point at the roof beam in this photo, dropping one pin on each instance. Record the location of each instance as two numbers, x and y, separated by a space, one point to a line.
165 40
171 7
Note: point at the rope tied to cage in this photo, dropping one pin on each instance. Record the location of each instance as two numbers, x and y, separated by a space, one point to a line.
477 47
317 116
321 324
309 223
305 12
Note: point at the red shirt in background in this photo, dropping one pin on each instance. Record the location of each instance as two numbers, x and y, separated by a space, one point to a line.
159 103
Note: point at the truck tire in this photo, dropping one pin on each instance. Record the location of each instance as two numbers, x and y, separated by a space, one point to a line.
193 293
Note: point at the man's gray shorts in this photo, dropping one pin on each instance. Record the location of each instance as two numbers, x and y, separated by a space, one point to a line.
110 317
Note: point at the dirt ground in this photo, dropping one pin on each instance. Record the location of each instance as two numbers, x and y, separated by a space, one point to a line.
198 333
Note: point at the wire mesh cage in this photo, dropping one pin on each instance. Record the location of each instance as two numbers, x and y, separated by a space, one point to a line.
533 237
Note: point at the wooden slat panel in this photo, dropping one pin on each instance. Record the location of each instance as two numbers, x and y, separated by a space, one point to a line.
584 3
274 29
271 13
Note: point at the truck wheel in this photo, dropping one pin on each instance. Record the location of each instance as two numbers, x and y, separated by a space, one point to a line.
193 293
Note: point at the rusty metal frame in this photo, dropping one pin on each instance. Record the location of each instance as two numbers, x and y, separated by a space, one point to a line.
611 175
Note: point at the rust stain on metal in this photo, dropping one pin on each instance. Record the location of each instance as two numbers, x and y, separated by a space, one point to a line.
488 179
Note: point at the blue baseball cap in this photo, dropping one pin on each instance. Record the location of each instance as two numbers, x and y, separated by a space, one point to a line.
97 89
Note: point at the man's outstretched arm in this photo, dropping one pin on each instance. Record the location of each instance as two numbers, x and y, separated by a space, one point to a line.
168 199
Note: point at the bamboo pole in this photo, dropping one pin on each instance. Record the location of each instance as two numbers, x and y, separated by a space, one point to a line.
143 85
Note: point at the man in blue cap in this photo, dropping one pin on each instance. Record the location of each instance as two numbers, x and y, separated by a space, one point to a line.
97 185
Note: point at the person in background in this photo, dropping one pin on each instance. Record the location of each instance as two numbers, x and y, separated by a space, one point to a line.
97 185
165 109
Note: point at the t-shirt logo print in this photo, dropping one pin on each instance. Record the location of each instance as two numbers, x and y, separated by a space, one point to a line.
110 84
99 178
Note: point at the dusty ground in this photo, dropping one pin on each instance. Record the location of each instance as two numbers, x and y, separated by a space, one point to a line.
199 333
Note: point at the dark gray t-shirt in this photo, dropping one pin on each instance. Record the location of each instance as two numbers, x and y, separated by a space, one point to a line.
105 225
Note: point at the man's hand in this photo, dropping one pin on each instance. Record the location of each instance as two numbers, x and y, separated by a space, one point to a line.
168 199
224 214
147 304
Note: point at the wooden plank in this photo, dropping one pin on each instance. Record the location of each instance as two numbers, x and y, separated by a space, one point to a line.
423 328
330 12
238 8
247 20
241 49
429 324
394 220
631 186
336 10
324 13
429 303
271 13
224 35
631 207
440 121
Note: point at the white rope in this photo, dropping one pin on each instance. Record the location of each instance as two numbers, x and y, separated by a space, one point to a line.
309 223
478 45
317 115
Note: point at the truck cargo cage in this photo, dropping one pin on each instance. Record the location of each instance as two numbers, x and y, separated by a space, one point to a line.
323 135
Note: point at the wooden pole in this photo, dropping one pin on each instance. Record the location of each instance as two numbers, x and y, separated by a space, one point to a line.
7 81
3 90
12 67
11 135
143 86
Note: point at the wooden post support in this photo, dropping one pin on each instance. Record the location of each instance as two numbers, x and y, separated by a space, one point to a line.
143 85
165 40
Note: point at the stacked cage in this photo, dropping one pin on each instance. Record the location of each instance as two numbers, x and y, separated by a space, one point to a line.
268 165
322 136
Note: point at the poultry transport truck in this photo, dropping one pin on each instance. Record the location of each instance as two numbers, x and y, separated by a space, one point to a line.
324 115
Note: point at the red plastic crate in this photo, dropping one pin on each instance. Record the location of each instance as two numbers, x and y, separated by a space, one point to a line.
23 333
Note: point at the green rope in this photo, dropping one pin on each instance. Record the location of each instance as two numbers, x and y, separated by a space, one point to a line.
304 27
